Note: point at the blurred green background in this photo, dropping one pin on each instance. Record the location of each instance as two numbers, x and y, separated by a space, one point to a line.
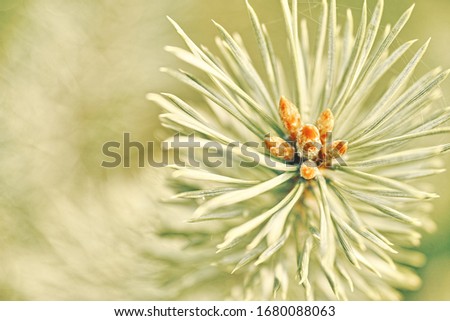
74 75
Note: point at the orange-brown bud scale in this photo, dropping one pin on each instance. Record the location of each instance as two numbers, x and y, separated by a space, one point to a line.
339 148
280 148
290 117
309 133
308 141
325 124
308 172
